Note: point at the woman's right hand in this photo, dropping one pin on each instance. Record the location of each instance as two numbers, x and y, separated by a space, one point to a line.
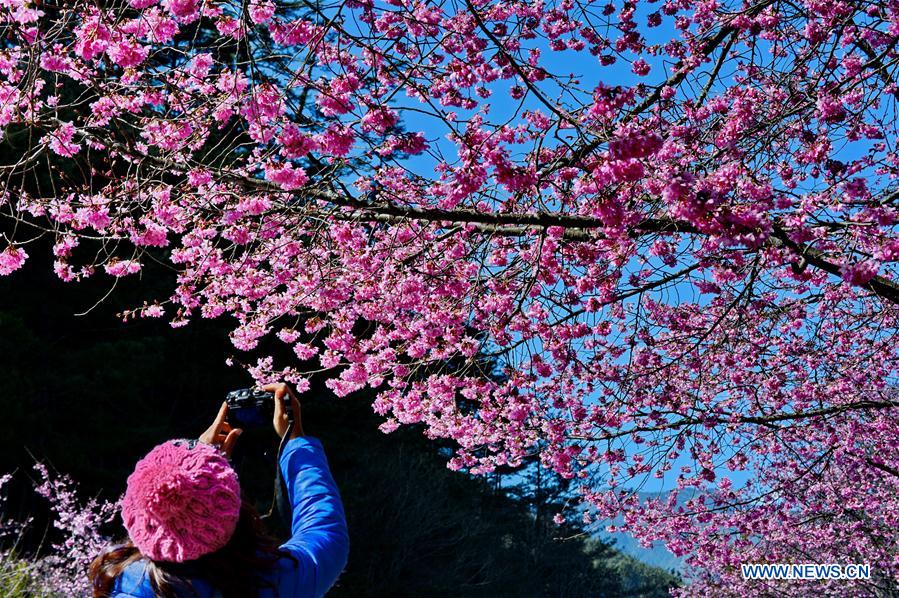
280 422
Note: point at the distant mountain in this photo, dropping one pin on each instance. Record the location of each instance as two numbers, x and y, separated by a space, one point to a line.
657 555
639 580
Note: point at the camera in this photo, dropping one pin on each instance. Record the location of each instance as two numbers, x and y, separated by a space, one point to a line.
253 408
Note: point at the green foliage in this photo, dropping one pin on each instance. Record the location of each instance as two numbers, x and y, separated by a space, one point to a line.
16 579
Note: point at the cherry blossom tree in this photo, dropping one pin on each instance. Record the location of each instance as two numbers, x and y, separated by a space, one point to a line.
673 223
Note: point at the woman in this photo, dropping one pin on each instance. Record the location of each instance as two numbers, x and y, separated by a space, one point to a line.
191 534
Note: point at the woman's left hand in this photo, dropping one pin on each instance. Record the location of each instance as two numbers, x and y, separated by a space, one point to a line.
220 434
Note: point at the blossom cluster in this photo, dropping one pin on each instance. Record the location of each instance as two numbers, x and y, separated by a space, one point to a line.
60 568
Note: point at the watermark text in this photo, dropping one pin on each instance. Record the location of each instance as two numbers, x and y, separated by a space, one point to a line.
804 571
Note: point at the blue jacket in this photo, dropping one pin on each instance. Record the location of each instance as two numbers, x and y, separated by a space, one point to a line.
319 539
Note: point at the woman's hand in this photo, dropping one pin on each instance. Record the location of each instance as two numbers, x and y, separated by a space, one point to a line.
280 422
220 434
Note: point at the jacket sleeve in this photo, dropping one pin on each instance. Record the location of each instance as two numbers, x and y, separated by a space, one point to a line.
319 538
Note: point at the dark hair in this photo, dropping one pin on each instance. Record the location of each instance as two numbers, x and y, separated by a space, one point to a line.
251 550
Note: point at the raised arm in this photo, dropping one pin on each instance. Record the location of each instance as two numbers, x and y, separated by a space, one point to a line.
319 538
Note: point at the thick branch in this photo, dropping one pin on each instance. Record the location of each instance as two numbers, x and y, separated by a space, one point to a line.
576 228
882 287
766 420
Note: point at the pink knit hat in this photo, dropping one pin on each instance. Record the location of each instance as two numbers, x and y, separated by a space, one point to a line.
182 501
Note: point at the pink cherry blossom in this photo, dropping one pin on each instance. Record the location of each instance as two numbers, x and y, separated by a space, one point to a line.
640 67
379 120
61 140
261 11
186 11
120 268
286 175
11 260
126 53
